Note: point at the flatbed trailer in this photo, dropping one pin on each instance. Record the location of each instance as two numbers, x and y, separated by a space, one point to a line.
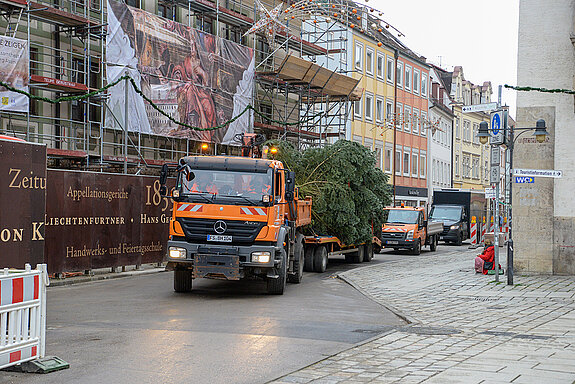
317 250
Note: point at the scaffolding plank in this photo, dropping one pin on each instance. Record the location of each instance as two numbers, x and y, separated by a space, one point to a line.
292 130
49 13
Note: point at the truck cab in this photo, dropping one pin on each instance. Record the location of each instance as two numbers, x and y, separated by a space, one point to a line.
235 218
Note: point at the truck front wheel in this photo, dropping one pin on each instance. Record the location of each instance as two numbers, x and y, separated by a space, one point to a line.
276 286
182 280
433 243
416 250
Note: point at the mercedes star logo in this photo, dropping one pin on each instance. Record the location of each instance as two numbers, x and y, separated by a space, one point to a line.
220 227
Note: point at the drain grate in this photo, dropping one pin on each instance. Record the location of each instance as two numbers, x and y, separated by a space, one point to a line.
516 335
430 331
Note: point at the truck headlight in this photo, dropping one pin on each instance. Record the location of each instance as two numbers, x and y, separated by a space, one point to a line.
261 257
454 227
176 253
409 235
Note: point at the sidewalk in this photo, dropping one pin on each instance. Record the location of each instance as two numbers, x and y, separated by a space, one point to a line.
464 327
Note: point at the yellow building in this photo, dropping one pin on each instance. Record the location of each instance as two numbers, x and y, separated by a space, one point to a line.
470 158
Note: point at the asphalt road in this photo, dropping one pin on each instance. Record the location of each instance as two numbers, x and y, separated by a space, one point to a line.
138 330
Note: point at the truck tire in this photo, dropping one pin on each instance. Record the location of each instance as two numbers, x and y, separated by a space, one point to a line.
320 259
308 258
298 260
277 286
433 243
416 250
356 257
368 252
182 280
459 240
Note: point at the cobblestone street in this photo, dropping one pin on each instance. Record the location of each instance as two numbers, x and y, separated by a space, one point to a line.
464 327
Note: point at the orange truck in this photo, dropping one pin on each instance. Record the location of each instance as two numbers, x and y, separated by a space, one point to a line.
235 218
409 228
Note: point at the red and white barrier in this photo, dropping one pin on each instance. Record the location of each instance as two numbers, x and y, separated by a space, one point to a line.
506 228
492 225
483 230
473 231
22 314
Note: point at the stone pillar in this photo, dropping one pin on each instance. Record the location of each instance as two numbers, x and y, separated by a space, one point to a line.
533 210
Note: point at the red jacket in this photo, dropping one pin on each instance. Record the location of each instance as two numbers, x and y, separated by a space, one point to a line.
488 254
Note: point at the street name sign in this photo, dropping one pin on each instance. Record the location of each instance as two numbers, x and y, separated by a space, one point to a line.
538 173
497 128
524 179
479 107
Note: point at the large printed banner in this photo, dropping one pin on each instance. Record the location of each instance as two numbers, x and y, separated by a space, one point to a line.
22 203
197 78
97 220
14 71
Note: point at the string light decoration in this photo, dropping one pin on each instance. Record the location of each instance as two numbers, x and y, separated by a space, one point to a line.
362 17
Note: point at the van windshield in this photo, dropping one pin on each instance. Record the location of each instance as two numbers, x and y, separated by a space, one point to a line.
439 212
401 216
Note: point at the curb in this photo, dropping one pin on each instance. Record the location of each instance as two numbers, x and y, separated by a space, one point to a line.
107 276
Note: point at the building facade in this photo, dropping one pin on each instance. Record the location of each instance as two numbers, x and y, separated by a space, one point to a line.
543 211
441 134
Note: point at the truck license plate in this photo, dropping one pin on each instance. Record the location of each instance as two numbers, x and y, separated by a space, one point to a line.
225 239
391 242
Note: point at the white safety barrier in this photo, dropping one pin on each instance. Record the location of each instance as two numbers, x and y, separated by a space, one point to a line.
473 233
483 230
22 314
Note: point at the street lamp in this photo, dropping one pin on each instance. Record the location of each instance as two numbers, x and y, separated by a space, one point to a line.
540 135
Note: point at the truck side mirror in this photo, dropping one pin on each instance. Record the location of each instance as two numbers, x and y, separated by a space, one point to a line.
290 186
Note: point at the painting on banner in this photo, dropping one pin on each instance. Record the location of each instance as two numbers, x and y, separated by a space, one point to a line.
14 71
194 77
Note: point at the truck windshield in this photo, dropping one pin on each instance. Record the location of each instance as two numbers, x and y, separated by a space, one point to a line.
401 216
439 212
238 187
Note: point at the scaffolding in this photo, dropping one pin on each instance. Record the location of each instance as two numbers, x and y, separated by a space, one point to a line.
67 47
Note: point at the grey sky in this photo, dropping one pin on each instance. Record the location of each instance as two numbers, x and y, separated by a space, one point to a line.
481 36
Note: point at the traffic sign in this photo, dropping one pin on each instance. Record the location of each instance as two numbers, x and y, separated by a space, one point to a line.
524 179
490 193
495 174
479 107
497 128
495 155
538 172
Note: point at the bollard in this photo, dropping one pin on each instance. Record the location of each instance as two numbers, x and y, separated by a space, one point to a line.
510 262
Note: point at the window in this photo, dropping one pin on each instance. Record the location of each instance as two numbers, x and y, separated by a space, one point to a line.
424 123
457 129
357 109
380 65
359 56
466 166
422 164
475 139
389 111
133 3
398 118
407 81
369 61
387 160
407 118
389 72
415 121
475 167
399 74
486 172
414 162
368 107
423 85
378 155
466 130
416 81
165 10
397 162
406 156
379 109
456 165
